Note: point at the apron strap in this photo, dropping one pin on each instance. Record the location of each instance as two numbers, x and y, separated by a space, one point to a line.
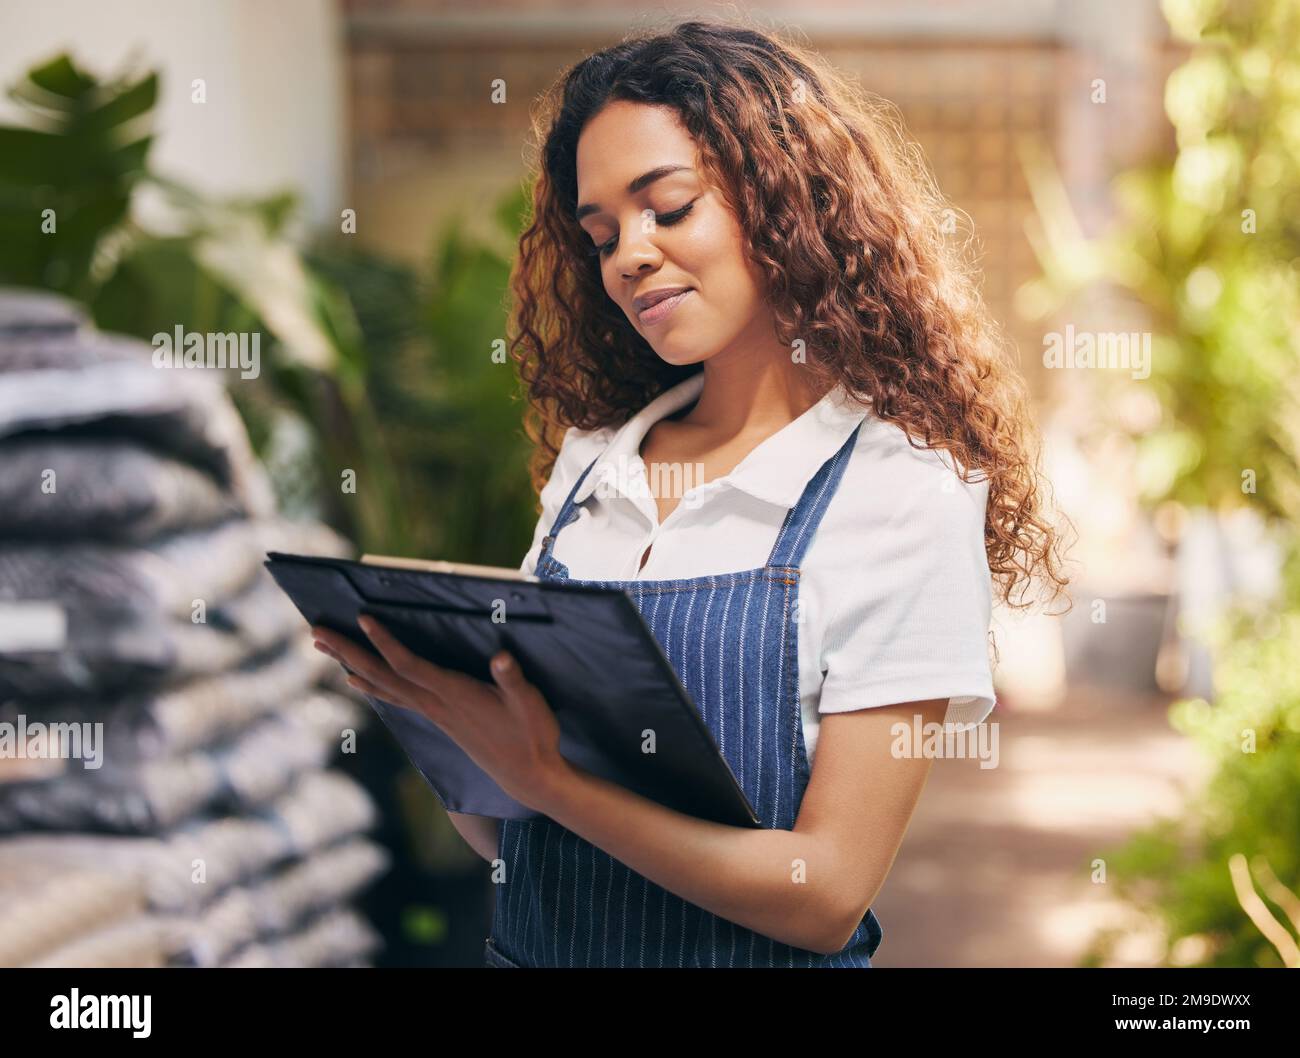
797 530
568 512
802 519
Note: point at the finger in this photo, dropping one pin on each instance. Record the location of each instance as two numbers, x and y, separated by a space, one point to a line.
361 662
410 666
357 658
380 679
375 691
415 705
368 688
405 696
518 693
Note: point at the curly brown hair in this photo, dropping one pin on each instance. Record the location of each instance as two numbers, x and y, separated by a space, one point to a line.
842 215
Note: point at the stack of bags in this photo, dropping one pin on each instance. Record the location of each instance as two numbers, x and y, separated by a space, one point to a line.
167 733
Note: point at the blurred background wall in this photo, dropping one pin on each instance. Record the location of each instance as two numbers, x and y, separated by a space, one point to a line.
274 81
969 79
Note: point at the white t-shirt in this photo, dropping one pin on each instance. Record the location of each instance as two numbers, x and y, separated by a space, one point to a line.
895 592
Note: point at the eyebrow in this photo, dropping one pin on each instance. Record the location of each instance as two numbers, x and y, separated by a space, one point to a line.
641 182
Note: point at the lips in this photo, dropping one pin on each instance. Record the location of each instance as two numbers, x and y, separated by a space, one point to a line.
658 304
644 301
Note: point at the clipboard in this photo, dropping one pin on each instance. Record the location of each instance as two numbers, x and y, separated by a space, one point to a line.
623 713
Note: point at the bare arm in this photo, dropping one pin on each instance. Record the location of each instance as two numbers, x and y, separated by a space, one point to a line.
808 887
481 833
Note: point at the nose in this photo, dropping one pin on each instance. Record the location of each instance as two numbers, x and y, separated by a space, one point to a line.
637 252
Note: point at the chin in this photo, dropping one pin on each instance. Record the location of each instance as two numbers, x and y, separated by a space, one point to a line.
681 357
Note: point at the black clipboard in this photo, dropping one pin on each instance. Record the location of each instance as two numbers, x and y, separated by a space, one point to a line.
587 649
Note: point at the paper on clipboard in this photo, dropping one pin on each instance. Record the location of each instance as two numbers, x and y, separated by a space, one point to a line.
433 565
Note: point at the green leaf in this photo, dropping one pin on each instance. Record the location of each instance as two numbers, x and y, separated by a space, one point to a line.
134 101
61 78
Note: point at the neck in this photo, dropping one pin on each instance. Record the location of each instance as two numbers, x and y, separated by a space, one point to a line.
751 396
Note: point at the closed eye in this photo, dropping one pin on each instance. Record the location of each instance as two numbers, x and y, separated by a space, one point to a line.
666 219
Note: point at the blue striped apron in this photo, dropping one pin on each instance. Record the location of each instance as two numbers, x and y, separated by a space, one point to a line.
732 639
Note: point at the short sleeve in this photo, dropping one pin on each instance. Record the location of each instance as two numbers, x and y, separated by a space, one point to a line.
910 622
578 448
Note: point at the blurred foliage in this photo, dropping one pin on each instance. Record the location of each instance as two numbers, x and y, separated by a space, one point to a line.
1178 869
445 404
74 166
1209 247
367 365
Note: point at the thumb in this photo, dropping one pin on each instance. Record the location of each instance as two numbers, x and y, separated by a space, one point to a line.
521 697
508 676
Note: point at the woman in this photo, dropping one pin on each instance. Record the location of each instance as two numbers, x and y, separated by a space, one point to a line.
736 272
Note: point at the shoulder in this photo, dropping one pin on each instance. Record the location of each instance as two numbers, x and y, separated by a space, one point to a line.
899 583
893 478
901 526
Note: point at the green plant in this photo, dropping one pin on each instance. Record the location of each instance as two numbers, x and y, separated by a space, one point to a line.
1180 869
66 178
446 403
377 389
1209 248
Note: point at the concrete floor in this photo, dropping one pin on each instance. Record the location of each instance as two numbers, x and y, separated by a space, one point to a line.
995 867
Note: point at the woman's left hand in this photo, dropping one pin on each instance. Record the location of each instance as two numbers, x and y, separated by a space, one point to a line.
506 728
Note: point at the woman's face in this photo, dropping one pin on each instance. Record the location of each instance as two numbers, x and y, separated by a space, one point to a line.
643 200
